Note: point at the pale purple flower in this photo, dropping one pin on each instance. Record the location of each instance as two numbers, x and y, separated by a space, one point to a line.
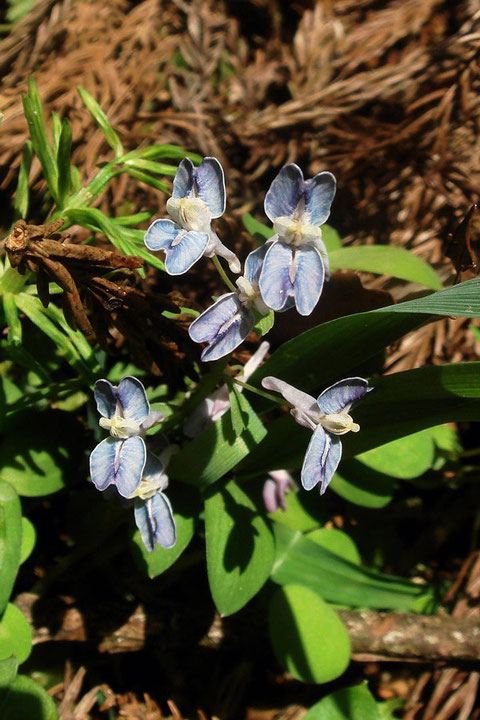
328 416
198 197
152 509
119 460
226 324
275 489
215 405
296 262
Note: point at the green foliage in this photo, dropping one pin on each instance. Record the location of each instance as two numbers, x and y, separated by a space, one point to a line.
307 636
352 703
15 635
10 540
27 700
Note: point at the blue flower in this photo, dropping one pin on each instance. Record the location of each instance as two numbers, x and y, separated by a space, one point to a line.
226 324
296 263
198 197
328 416
152 509
120 459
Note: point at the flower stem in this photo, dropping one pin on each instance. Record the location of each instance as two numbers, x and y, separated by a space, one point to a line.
223 274
262 393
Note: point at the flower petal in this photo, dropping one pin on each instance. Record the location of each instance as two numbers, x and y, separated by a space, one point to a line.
161 234
183 181
154 471
231 336
155 521
285 192
308 278
275 284
224 326
342 395
133 399
321 460
319 194
185 253
105 397
206 326
210 185
119 463
253 264
306 411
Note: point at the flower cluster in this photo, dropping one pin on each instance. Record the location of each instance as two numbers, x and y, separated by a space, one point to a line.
288 271
328 416
123 461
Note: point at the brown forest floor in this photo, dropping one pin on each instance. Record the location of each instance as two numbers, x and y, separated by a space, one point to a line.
385 94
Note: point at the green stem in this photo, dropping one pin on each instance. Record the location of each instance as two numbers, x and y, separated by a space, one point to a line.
223 274
262 393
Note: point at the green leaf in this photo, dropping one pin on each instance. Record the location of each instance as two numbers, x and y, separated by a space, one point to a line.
22 194
63 162
303 512
38 452
15 635
239 410
351 703
102 121
12 319
56 130
29 537
147 179
337 542
385 260
362 486
258 230
27 700
405 458
33 109
8 673
299 561
307 635
10 540
212 454
240 548
264 323
152 166
331 238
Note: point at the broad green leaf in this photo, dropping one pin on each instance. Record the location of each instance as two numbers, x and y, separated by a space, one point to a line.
331 238
405 458
8 673
15 635
303 512
240 548
38 451
351 703
22 194
27 700
385 260
299 561
212 454
10 540
256 228
337 542
363 486
63 161
239 411
264 323
102 121
29 536
307 635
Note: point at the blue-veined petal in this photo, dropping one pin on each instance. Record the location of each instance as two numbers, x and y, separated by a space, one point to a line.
106 398
319 194
161 234
275 284
342 395
309 275
119 463
306 411
210 185
133 399
183 181
185 251
206 326
155 521
321 460
253 264
154 471
231 336
284 193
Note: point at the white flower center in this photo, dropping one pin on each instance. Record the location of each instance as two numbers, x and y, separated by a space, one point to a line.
339 423
191 213
147 489
120 427
248 295
296 232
